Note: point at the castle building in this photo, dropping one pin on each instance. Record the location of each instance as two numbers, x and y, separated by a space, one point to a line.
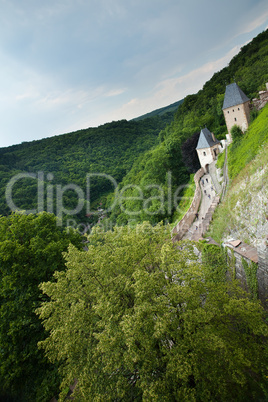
208 147
235 108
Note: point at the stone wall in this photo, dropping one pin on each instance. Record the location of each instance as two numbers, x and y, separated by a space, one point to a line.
249 254
185 223
262 273
259 103
239 269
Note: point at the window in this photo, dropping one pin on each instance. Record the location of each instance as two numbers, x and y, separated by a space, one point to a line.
235 119
238 108
204 153
233 110
228 111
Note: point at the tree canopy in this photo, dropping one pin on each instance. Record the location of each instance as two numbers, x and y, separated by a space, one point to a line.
31 250
136 317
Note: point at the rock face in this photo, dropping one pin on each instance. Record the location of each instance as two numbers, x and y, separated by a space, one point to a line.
249 223
250 212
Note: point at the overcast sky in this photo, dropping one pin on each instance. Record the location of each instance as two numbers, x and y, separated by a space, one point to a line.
72 64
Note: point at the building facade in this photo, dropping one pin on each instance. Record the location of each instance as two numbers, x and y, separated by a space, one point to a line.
236 108
208 147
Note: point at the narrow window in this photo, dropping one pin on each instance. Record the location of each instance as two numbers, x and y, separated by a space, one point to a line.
235 119
204 153
239 108
233 110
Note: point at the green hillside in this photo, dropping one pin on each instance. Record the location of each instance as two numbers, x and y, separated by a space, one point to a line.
144 157
110 149
244 212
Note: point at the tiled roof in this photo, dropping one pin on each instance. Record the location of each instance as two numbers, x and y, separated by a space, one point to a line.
234 96
243 249
206 140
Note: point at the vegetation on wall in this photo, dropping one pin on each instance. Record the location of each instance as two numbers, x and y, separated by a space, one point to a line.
250 270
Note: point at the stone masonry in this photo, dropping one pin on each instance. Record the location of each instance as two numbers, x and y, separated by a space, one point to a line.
262 273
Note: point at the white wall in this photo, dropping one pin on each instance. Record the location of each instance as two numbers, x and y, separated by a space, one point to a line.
209 156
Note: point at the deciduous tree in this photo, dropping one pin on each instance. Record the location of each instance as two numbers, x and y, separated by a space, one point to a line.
31 248
138 318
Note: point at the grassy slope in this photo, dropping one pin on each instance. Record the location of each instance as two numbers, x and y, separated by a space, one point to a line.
243 214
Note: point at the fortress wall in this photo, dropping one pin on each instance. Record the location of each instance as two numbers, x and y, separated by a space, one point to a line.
260 256
262 273
185 223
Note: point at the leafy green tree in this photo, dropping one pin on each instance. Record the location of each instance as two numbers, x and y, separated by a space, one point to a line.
236 133
31 248
136 317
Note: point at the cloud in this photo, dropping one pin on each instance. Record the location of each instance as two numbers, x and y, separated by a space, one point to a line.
256 22
79 63
171 90
115 92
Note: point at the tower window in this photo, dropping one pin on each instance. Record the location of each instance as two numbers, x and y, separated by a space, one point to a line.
204 153
235 119
238 108
233 110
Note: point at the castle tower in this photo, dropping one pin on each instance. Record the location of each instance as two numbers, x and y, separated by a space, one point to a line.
236 108
208 147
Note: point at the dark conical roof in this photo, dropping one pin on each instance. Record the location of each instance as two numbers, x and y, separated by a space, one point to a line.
206 139
234 96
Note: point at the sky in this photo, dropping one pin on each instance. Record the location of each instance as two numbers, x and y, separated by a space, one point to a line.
66 65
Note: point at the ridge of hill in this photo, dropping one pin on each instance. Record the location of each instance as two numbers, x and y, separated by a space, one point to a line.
170 109
144 155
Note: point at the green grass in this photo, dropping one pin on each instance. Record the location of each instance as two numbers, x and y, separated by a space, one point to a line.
244 151
244 159
220 160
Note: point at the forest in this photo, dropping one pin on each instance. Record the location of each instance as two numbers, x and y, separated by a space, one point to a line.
126 314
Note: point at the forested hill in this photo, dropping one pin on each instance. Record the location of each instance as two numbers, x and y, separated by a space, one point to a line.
136 153
111 149
167 111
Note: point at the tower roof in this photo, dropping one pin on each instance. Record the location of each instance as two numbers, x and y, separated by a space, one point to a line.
234 96
206 139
